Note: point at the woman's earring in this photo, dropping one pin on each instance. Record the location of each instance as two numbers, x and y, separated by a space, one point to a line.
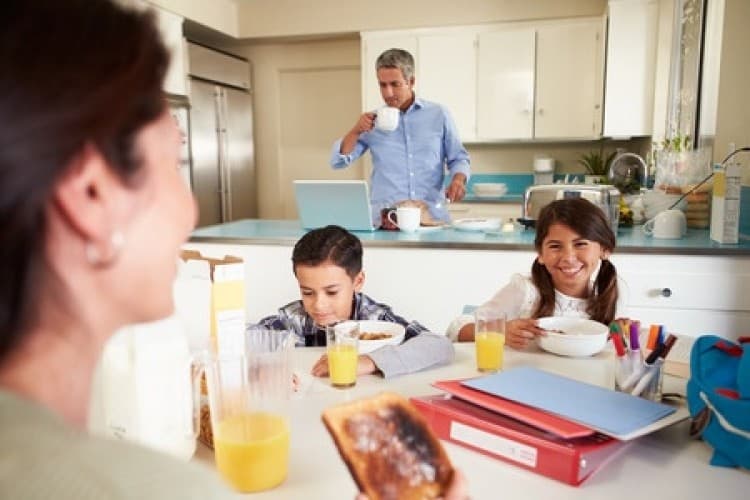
107 254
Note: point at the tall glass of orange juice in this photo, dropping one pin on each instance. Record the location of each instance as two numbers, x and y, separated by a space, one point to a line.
489 339
342 342
249 383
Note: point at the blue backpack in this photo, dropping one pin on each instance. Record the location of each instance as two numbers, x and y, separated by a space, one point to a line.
718 395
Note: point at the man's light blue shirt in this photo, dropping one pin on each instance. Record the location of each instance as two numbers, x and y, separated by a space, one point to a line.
409 163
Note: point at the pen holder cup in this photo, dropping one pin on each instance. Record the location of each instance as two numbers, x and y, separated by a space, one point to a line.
653 389
644 381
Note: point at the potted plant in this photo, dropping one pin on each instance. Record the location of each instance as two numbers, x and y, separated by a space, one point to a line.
597 166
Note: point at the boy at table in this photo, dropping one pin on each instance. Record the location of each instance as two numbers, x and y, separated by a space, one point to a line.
327 263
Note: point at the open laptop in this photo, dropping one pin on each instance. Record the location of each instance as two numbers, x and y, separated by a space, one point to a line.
344 203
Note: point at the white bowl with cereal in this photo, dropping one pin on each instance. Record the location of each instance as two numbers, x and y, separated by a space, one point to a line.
374 334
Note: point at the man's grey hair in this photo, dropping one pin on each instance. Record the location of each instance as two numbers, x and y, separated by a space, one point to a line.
399 59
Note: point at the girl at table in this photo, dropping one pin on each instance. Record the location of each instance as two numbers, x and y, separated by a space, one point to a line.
327 263
571 275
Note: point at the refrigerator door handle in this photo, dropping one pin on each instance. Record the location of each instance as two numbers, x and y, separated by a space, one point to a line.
220 127
226 163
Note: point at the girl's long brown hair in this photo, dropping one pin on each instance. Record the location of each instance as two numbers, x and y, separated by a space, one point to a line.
589 222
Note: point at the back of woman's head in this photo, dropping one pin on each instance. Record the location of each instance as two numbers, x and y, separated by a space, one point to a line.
76 73
329 244
589 222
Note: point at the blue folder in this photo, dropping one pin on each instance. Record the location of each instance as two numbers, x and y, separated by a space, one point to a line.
611 412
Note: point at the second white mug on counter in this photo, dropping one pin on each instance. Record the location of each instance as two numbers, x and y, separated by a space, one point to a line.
669 224
407 218
387 118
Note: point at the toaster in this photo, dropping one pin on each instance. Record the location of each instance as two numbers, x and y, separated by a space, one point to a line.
537 197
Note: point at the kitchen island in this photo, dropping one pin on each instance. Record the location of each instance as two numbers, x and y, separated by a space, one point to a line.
691 285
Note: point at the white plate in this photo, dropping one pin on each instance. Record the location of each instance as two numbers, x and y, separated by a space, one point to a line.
489 189
489 195
429 229
477 224
375 326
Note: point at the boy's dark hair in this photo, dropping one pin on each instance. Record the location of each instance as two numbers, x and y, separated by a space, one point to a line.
589 222
329 244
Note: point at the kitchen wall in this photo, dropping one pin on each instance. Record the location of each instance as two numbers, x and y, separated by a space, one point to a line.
273 18
733 109
305 94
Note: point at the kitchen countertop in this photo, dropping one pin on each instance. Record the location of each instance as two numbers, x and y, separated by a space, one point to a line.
629 240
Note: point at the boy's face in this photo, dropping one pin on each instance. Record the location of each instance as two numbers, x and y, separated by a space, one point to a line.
327 291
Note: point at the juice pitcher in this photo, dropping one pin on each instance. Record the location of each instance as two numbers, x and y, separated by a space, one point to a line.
249 383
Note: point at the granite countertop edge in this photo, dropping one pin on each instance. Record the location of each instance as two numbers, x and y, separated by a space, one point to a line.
630 240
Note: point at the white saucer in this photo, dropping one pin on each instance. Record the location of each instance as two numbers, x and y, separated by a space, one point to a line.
477 224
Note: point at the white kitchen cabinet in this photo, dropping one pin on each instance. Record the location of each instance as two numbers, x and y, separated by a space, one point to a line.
372 47
569 80
708 293
170 26
688 294
447 74
631 66
505 84
541 81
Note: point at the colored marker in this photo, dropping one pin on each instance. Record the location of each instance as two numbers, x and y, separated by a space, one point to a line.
653 336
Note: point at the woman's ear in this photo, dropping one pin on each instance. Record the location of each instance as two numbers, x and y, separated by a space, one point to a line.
89 196
605 254
359 281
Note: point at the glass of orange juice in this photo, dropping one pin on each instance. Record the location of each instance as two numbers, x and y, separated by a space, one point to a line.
342 348
489 339
248 391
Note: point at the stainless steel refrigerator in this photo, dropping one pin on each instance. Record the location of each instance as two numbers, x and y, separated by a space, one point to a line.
221 136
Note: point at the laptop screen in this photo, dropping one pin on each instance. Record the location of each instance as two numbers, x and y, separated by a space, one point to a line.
344 203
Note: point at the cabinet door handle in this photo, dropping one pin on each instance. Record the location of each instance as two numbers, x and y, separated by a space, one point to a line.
666 292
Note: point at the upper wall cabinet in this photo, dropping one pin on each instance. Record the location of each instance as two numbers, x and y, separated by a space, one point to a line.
512 81
569 80
541 82
505 87
631 63
170 26
447 75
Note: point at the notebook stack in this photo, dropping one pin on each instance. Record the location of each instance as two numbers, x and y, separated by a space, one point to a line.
523 417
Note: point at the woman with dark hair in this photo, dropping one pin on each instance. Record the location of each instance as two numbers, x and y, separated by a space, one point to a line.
571 275
92 216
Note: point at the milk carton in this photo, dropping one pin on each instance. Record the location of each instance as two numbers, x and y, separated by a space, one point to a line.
725 208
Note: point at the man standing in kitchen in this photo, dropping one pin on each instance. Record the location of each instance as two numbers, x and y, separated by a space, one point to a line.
411 159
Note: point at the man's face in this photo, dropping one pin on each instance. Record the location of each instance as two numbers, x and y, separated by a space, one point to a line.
397 91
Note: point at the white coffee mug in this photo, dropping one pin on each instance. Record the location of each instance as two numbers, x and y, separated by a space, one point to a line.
387 118
669 224
407 218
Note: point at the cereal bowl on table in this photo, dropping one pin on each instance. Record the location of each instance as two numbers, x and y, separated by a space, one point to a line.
572 336
374 334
